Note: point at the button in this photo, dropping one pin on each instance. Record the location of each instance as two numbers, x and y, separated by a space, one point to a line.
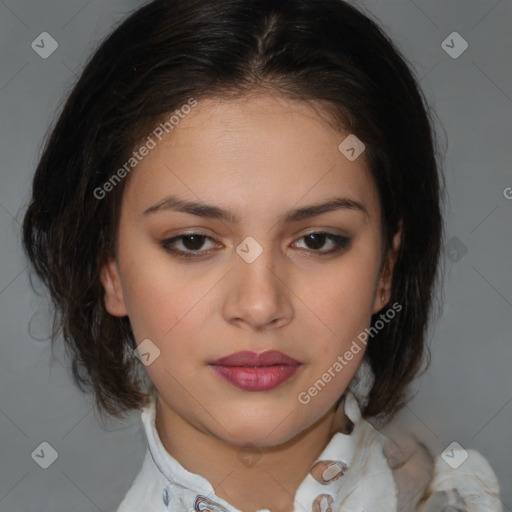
203 504
165 497
327 471
322 503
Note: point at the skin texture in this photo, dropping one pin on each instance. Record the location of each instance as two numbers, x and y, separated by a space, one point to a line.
257 157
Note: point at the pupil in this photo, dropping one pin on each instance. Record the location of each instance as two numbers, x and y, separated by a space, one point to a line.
320 238
189 241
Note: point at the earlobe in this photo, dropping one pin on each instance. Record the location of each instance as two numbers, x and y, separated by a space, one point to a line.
383 293
384 287
397 239
113 296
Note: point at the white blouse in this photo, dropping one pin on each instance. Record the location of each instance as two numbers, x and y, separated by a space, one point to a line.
351 474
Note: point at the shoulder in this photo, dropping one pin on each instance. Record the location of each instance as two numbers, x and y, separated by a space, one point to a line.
463 480
457 480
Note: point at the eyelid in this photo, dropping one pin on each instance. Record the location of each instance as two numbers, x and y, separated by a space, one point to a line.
166 243
341 242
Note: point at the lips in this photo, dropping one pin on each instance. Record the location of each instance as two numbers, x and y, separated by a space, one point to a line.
256 372
247 358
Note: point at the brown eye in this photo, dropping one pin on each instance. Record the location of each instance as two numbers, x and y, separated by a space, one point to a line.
315 242
191 245
193 242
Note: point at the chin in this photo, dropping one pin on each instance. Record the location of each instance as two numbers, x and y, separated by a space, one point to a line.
254 437
263 431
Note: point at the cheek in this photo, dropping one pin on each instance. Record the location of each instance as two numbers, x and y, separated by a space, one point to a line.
158 301
344 301
169 313
344 306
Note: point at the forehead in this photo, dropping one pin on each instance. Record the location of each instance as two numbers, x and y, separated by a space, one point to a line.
261 150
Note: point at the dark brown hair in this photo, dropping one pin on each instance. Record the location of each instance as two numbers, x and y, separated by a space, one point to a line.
169 51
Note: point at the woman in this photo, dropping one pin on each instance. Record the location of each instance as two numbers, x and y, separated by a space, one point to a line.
238 214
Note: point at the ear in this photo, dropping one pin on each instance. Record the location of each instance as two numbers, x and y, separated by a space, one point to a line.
383 290
114 300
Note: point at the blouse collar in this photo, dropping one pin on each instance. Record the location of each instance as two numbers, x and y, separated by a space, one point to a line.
318 491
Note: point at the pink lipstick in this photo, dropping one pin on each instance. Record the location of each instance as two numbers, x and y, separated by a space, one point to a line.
256 372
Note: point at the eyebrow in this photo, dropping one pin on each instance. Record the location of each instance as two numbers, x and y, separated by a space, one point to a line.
215 212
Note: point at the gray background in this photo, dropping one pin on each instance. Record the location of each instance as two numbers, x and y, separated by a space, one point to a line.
466 394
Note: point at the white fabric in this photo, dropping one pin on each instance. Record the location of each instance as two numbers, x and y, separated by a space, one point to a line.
358 476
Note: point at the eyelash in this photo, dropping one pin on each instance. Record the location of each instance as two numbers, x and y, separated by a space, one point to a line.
341 242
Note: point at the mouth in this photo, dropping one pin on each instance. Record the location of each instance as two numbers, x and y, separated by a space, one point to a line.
251 371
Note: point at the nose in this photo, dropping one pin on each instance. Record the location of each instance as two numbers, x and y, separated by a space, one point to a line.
258 294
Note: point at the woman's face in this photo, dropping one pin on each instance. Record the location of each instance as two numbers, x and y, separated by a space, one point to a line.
256 278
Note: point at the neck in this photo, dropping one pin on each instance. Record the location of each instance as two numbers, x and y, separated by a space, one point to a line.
238 474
